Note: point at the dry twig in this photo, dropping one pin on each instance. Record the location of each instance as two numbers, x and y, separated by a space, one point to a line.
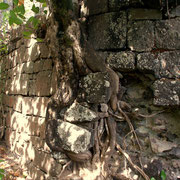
132 164
130 125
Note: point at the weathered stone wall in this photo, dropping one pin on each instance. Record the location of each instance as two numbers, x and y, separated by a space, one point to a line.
139 44
143 45
29 79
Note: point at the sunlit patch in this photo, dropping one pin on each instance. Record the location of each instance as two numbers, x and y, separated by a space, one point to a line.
163 63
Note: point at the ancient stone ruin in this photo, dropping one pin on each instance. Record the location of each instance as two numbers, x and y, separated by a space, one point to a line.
99 97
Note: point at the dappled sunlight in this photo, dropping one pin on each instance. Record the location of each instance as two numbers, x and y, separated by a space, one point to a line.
28 87
88 174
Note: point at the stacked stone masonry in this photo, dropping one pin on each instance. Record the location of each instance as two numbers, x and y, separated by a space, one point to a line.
29 80
132 38
139 39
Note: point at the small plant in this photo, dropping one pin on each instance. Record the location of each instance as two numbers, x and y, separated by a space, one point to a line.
16 16
2 172
163 176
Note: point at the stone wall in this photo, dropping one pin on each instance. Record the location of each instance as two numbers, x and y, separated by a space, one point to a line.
29 79
143 44
140 44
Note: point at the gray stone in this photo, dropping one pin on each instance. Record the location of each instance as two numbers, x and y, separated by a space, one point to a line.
115 5
74 138
149 63
140 14
175 12
28 67
141 35
159 146
38 66
95 7
60 157
43 83
167 34
162 65
166 92
79 113
122 61
96 87
175 152
108 31
35 52
169 64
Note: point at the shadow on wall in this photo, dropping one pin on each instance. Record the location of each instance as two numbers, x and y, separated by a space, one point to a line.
29 81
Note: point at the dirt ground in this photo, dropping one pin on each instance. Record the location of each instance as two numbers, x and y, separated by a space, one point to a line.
9 164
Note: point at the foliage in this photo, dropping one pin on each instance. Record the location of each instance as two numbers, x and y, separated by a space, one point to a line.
2 171
163 176
16 16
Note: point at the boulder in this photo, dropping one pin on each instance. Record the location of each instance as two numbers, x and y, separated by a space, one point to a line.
73 137
96 87
79 113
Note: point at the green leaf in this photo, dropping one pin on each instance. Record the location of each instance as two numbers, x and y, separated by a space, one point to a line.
30 19
20 9
163 175
14 19
3 6
2 171
44 5
27 33
16 2
153 178
21 16
35 22
41 1
39 40
1 160
27 37
35 9
1 176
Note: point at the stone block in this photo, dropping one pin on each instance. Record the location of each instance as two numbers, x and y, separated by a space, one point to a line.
94 7
40 106
73 137
141 35
122 61
144 14
34 52
162 65
167 34
35 173
48 164
38 66
28 67
22 84
44 50
108 31
148 63
79 113
166 92
54 82
27 106
17 106
116 5
43 83
32 87
169 64
22 54
175 12
47 65
96 87
36 125
19 122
